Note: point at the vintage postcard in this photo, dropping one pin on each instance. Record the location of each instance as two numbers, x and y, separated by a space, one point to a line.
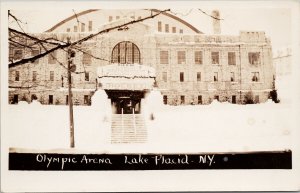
150 96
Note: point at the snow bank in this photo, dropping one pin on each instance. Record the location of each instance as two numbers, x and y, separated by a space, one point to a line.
193 128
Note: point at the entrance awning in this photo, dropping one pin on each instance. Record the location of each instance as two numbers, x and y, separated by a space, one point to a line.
126 77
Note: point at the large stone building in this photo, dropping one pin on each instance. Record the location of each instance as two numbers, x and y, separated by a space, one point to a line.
186 66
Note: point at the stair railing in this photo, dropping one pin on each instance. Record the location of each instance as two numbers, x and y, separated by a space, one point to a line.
134 126
122 122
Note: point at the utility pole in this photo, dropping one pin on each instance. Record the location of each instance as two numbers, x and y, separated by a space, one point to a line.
71 68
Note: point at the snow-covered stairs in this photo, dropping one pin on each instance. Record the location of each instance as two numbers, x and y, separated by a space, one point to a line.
128 128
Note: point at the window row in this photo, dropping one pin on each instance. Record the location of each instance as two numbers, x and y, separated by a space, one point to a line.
52 58
51 76
81 27
50 100
254 77
167 28
199 99
111 18
253 57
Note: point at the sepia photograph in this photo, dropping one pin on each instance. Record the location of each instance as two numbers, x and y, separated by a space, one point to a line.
142 91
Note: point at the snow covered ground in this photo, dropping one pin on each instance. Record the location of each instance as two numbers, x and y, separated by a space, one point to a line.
219 127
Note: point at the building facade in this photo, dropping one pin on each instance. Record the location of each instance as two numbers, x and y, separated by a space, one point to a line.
185 65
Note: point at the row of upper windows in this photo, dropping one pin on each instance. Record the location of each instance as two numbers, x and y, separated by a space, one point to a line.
111 18
81 27
167 28
215 78
52 58
51 76
253 57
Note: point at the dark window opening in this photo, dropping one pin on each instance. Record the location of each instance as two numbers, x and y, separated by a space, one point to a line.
182 99
165 97
233 100
200 99
181 77
50 100
198 76
87 76
15 99
86 99
17 76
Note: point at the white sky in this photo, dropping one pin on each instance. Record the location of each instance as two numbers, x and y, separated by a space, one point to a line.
276 22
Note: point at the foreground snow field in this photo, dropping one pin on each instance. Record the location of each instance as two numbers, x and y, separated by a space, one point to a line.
205 128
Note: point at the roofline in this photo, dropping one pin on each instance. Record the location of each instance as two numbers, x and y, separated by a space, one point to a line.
92 10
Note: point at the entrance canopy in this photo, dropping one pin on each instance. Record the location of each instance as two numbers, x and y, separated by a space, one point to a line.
126 77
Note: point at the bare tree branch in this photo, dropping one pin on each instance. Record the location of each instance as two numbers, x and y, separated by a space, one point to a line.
210 15
62 46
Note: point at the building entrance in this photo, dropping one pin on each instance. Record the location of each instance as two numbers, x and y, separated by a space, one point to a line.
126 102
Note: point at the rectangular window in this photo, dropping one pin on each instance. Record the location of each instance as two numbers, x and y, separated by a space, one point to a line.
198 57
181 77
198 76
51 75
86 57
233 99
215 57
200 99
90 25
110 18
67 99
52 58
86 99
181 57
255 76
181 31
232 78
231 58
87 76
167 28
75 28
17 76
182 99
159 26
165 76
254 58
82 27
165 97
18 54
173 29
15 99
35 52
117 17
50 100
68 29
34 75
164 57
216 77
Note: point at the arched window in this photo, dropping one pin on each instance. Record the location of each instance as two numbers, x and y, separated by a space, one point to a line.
126 53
